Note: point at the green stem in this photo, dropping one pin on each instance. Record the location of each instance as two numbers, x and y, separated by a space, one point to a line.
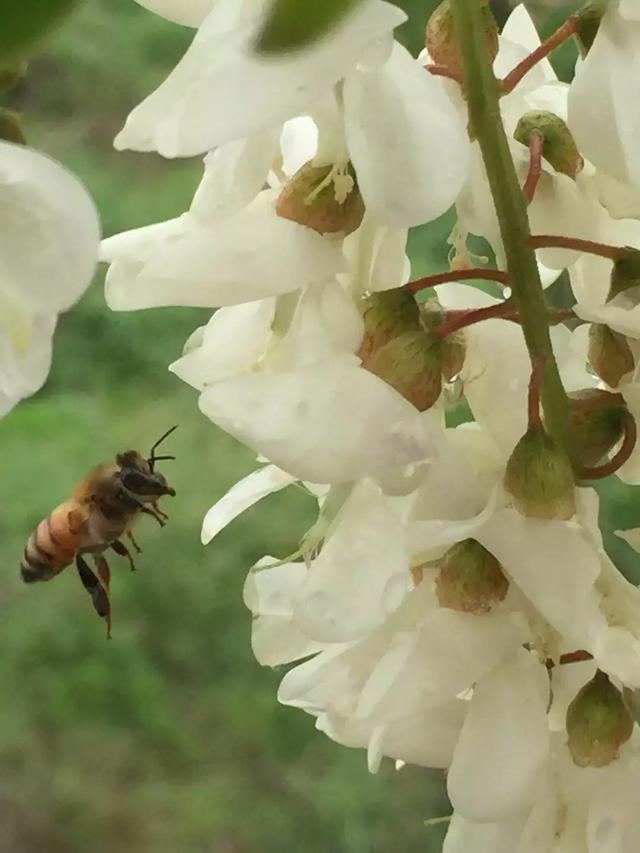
482 92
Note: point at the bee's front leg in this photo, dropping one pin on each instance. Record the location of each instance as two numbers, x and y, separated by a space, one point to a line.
121 549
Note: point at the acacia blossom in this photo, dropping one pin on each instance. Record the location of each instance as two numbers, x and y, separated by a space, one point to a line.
49 234
453 605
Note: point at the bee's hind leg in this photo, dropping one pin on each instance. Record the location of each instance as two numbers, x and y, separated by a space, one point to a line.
96 589
131 538
104 573
121 549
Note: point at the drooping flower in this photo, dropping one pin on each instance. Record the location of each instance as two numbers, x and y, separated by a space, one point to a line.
49 235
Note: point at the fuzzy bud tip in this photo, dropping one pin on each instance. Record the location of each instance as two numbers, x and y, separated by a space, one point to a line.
325 198
470 579
609 354
440 38
597 424
412 364
559 147
599 722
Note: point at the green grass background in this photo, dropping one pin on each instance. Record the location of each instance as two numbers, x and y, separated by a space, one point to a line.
168 738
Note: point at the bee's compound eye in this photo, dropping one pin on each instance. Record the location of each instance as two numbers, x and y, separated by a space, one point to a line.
134 481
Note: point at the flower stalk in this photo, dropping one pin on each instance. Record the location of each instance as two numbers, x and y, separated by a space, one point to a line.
551 241
456 275
482 92
564 33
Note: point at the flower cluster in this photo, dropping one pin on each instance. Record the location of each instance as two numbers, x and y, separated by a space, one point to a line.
453 606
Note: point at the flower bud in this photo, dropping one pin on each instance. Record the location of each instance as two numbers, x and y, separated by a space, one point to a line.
470 579
588 20
625 273
412 364
597 424
440 37
599 722
386 315
11 128
325 198
609 354
539 477
559 147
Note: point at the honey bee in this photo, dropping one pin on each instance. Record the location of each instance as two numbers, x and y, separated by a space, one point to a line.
101 510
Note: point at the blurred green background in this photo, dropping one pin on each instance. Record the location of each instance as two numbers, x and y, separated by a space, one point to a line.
168 738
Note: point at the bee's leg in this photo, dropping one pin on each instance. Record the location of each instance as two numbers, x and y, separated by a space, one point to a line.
121 549
131 538
96 590
160 512
104 573
147 511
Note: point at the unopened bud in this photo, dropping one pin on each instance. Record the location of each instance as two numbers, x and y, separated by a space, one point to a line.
559 147
325 198
470 578
588 20
539 477
386 315
11 128
412 364
625 273
609 354
597 424
440 37
599 722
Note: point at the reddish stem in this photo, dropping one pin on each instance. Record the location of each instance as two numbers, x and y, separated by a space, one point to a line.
616 462
456 275
549 241
536 147
439 70
535 389
578 656
559 37
457 320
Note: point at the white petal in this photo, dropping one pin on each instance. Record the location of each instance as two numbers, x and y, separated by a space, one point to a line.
466 835
362 573
502 752
189 12
411 164
298 143
221 90
556 567
631 537
24 364
250 256
234 340
603 114
268 593
520 31
49 231
234 175
330 422
241 496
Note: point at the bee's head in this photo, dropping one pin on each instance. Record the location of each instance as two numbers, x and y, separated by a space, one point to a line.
138 475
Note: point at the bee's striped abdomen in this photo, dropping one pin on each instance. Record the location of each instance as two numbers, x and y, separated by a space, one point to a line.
50 548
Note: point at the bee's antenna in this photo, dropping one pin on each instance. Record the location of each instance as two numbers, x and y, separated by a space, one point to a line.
152 457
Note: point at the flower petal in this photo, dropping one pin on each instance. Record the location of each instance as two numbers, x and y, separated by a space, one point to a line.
189 12
411 163
244 494
329 422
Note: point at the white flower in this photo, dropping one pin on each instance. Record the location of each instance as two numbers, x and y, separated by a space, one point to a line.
410 163
603 114
49 234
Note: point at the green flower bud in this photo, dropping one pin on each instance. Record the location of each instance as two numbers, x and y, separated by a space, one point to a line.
470 579
625 273
386 315
609 354
412 364
440 37
559 147
588 24
597 424
599 722
539 477
324 198
11 128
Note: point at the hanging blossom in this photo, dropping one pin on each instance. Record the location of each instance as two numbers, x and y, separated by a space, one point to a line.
453 605
49 235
